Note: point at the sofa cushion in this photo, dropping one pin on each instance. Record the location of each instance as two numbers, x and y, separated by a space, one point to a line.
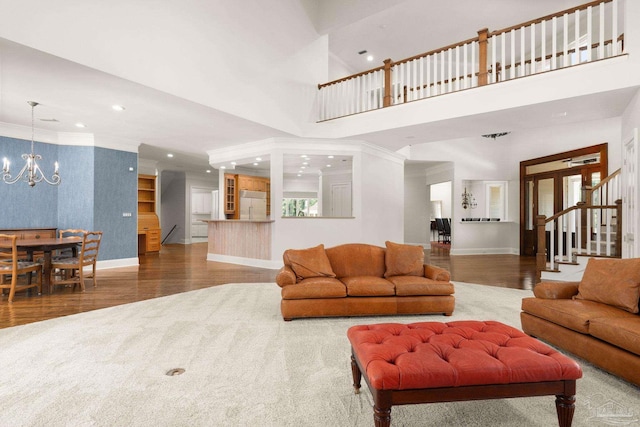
615 282
414 285
403 260
315 287
623 332
368 286
311 262
356 259
570 313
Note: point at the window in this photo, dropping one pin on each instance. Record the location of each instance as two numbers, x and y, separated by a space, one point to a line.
496 199
299 207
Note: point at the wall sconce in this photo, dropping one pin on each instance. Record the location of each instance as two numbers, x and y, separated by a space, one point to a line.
468 201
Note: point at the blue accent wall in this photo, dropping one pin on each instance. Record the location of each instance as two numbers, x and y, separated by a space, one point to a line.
116 193
21 205
97 187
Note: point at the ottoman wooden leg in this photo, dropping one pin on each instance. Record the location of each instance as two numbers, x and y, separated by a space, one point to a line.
382 408
565 407
357 375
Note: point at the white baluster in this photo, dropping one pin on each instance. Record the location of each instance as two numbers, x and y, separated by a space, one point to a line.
428 88
443 78
422 88
503 56
523 58
554 43
465 66
577 37
614 28
493 42
474 48
512 74
533 48
552 251
565 41
601 38
589 34
543 44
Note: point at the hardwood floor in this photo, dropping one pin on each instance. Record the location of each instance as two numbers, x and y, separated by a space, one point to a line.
181 268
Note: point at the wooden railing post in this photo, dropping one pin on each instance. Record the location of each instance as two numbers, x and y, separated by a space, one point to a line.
483 41
541 253
582 244
619 228
386 101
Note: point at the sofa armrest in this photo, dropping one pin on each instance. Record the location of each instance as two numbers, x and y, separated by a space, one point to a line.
556 290
436 273
286 277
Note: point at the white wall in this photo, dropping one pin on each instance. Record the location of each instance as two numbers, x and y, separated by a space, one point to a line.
442 192
416 205
378 197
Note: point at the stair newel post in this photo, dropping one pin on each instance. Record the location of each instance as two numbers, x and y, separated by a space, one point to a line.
618 252
386 101
583 226
541 253
483 41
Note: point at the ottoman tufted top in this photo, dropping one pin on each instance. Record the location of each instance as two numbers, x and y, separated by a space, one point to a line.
433 354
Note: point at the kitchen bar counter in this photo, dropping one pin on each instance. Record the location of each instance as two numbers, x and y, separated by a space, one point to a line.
243 241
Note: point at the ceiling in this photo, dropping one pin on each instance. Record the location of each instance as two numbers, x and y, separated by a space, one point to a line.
70 93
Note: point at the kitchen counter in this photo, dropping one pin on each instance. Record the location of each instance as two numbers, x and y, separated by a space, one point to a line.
240 241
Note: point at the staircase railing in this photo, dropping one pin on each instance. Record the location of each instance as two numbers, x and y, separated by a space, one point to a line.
570 37
590 228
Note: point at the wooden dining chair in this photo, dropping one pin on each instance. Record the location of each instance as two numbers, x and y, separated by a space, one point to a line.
12 268
68 252
70 270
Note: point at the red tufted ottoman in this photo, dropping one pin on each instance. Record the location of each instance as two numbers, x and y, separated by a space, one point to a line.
430 362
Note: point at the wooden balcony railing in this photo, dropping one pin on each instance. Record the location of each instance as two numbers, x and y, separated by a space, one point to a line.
570 37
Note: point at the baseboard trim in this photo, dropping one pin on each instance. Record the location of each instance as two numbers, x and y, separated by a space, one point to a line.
251 262
485 251
116 263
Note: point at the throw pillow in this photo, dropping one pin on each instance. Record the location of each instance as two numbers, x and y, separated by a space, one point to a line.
614 282
312 262
403 260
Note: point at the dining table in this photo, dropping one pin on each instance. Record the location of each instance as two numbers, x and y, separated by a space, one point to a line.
47 246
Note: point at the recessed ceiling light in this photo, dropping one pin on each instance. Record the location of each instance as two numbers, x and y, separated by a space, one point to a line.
256 164
331 157
118 107
370 58
304 156
305 163
299 175
328 166
233 163
303 167
208 170
80 125
221 167
169 155
258 159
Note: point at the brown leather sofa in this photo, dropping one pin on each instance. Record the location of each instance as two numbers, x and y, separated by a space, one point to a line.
596 319
358 279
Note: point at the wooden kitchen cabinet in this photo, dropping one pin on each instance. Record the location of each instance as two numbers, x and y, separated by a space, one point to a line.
236 183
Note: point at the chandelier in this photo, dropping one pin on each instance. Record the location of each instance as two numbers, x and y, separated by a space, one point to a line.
30 172
468 201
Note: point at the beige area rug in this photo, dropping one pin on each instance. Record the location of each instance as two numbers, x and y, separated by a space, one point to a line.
245 366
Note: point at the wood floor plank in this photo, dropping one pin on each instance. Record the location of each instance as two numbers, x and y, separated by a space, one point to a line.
182 268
